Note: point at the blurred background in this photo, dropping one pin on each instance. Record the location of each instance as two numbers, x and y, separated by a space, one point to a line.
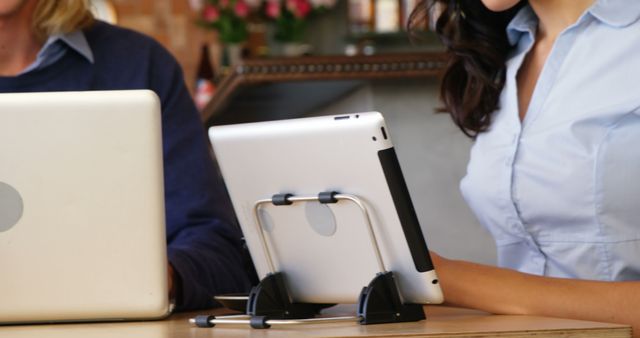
253 60
327 27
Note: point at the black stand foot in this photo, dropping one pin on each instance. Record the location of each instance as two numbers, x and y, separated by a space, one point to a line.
270 299
204 321
379 302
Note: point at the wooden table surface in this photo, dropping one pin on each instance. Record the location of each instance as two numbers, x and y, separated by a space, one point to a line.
441 322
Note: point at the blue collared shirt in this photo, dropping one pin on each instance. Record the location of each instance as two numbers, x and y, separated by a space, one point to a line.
56 46
560 191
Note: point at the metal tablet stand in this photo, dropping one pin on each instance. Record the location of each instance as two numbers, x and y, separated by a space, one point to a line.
269 302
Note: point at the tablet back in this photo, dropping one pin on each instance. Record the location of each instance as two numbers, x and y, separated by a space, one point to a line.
82 234
324 250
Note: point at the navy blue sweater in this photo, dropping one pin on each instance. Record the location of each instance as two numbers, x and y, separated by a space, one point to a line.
203 243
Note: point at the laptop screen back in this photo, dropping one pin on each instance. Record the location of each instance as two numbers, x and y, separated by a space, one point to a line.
82 234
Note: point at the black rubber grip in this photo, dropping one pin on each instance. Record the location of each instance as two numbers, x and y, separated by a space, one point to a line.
205 321
259 322
281 199
327 197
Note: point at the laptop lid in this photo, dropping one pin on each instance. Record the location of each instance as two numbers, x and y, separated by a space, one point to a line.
82 222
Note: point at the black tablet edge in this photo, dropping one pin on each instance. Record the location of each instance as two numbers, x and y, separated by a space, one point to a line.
404 207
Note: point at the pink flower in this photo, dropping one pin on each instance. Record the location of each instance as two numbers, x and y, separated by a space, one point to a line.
210 13
272 9
304 8
299 8
241 9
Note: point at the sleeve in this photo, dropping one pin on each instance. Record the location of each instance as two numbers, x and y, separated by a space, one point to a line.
204 243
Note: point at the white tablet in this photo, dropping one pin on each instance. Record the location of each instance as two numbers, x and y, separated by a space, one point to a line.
324 250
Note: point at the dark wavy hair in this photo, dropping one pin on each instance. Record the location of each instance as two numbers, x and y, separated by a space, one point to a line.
476 42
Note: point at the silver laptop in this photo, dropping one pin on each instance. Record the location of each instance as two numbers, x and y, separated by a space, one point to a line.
82 223
325 251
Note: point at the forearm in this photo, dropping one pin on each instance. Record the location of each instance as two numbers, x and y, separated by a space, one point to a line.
207 265
506 291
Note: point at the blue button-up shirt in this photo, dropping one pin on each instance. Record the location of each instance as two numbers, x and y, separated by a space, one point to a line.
56 46
560 191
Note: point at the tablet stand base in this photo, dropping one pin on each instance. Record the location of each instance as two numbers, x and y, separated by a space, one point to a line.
379 302
271 298
270 302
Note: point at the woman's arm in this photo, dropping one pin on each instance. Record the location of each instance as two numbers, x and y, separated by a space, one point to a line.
505 291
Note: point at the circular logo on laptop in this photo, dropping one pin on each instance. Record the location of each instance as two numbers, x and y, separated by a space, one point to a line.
11 207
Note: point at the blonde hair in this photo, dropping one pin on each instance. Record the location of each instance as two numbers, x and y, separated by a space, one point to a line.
60 17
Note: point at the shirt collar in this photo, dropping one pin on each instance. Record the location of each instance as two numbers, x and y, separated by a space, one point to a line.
524 22
616 13
74 40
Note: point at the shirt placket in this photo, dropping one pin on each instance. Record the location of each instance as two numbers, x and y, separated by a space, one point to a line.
536 258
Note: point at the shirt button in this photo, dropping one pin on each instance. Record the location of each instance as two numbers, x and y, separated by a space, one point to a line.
539 260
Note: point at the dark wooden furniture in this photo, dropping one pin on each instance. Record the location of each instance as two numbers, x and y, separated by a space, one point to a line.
287 87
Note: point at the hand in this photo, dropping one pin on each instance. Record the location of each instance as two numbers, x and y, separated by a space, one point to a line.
436 259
